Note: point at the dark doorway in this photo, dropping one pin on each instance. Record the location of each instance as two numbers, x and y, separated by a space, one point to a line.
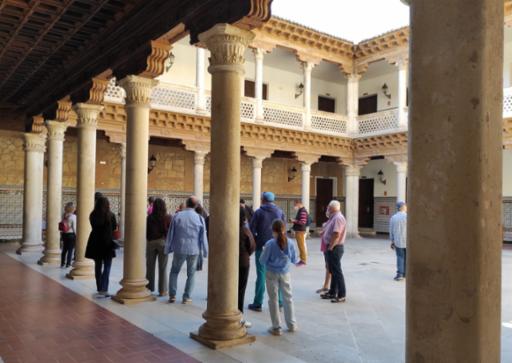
323 197
326 104
250 89
366 203
367 105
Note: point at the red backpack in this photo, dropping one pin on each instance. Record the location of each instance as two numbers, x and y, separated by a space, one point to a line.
64 225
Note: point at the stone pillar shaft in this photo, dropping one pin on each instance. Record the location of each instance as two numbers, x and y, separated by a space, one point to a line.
55 134
86 182
401 181
257 166
33 193
200 84
352 174
305 184
222 327
258 84
453 291
307 68
352 103
402 93
122 197
138 94
199 157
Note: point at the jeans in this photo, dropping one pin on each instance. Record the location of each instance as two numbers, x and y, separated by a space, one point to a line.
243 276
401 258
154 250
68 246
102 273
280 282
300 236
337 281
177 261
260 281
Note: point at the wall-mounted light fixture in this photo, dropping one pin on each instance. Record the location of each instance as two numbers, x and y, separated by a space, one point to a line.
385 91
299 90
381 177
169 61
151 163
292 173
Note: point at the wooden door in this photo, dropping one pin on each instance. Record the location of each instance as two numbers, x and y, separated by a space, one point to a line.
367 105
323 197
326 104
366 203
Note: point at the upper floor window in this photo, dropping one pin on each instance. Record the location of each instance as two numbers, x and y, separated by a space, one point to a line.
250 89
367 104
326 104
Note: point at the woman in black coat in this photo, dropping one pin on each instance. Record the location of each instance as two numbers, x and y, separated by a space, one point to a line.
100 246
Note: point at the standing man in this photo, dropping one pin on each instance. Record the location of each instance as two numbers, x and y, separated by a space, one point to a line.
398 236
333 241
261 227
187 239
300 224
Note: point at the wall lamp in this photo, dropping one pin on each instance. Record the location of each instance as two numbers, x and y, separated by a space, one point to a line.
151 163
169 61
385 91
292 173
299 90
381 177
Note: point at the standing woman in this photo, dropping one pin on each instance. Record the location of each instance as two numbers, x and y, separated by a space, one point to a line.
247 247
158 223
68 231
100 246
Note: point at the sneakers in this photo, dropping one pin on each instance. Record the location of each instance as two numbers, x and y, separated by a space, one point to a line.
399 278
246 323
300 264
172 299
162 293
102 295
322 290
275 331
293 329
255 307
186 300
338 300
327 296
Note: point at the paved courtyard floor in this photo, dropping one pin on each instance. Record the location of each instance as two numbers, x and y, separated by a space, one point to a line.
368 328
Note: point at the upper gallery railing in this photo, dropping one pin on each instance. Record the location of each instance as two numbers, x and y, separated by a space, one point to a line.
184 99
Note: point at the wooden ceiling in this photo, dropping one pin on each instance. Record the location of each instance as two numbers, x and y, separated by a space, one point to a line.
52 48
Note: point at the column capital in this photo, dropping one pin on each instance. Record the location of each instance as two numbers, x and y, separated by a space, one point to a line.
401 61
56 129
258 153
308 159
227 45
353 170
122 150
199 156
307 60
353 77
87 114
138 89
258 54
197 146
35 142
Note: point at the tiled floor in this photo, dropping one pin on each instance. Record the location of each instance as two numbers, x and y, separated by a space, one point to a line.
43 321
369 328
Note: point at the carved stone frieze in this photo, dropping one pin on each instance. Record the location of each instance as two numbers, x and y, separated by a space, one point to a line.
156 61
64 110
389 144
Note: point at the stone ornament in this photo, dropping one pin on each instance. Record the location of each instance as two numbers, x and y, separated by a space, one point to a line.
35 142
138 90
87 115
56 130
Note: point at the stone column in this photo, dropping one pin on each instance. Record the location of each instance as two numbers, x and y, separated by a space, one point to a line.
307 68
403 65
352 103
138 97
222 327
56 130
33 193
352 174
453 293
306 161
201 97
122 196
199 156
401 181
257 155
87 122
258 84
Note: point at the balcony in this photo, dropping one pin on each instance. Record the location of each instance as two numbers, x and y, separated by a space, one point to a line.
184 99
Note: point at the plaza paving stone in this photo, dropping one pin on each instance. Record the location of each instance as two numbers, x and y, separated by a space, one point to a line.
368 328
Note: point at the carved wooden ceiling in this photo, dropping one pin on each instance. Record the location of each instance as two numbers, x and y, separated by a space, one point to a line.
51 48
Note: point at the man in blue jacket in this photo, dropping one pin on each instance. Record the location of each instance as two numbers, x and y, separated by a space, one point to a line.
261 227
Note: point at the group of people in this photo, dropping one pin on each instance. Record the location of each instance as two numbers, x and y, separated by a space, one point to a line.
262 232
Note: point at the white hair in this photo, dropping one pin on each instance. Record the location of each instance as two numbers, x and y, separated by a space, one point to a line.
334 204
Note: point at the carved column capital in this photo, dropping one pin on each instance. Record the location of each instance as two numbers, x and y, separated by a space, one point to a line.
35 142
227 45
56 130
138 89
199 157
308 159
122 150
87 114
258 153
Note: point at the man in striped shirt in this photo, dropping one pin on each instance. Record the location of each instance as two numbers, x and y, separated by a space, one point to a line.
300 224
398 237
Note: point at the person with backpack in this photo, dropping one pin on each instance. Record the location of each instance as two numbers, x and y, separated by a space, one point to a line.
67 228
300 225
101 246
277 256
261 228
157 226
246 249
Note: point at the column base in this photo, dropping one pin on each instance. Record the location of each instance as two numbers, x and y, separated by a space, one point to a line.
29 248
82 270
133 292
220 344
50 258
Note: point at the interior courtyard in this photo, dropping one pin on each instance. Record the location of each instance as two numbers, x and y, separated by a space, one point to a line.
225 102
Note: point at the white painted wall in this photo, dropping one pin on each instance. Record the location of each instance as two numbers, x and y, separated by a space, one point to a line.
370 86
507 173
371 171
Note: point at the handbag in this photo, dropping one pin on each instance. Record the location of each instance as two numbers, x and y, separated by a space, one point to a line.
116 235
